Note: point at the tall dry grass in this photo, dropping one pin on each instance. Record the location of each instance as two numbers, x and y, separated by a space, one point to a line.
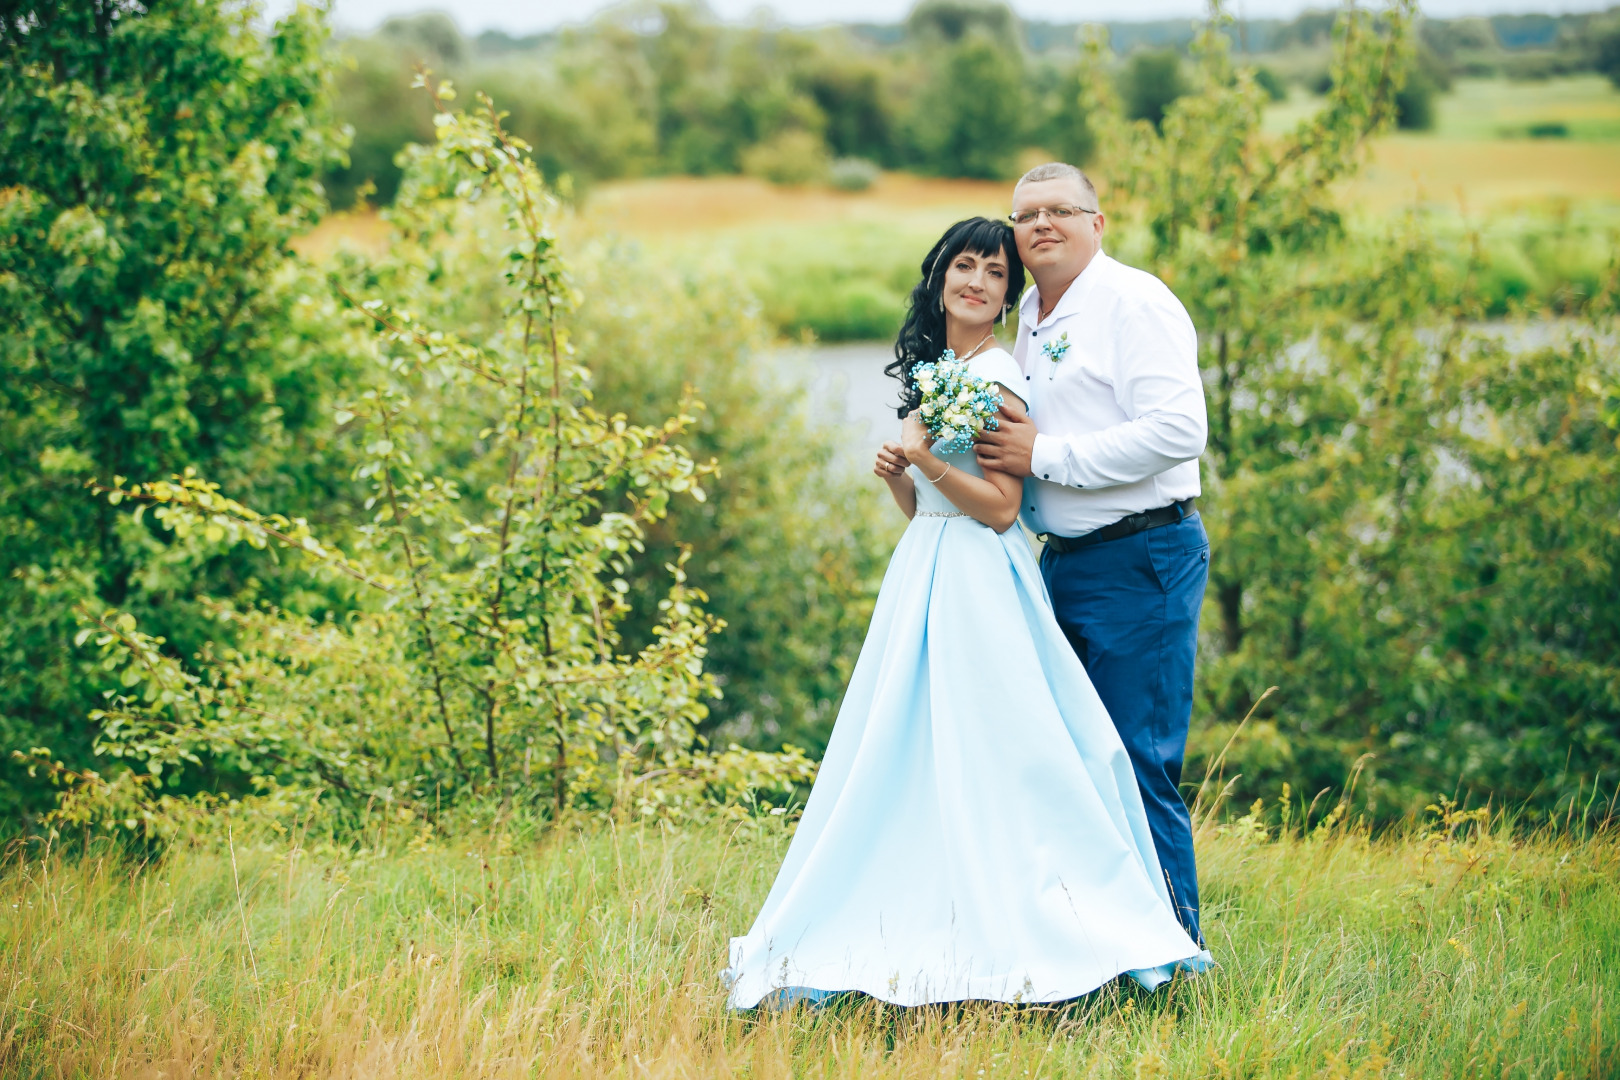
594 951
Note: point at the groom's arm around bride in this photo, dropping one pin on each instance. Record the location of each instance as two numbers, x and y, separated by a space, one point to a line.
1110 446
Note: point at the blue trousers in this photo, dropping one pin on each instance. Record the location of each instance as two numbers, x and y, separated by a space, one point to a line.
1130 610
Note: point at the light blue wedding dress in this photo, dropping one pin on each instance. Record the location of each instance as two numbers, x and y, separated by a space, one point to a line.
975 831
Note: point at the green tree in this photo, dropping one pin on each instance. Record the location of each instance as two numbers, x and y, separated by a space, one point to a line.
1151 81
155 160
970 121
1061 126
855 95
1604 42
954 20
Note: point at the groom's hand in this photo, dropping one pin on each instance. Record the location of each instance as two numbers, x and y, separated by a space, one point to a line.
1009 448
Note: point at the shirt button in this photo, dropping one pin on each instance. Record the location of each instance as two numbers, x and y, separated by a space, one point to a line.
1046 476
1032 509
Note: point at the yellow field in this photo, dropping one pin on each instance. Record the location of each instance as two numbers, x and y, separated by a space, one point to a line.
1479 174
685 204
670 207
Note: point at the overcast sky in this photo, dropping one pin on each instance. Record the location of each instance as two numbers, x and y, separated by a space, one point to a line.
527 16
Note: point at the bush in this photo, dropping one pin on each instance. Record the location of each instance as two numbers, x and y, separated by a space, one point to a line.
1426 79
1271 83
1414 105
789 545
793 157
840 282
852 174
155 161
489 656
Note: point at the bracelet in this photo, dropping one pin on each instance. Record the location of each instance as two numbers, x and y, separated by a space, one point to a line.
941 476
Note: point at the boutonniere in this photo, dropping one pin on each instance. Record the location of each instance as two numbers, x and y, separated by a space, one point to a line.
1056 350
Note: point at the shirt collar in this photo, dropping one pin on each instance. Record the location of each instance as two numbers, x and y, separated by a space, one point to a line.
1031 305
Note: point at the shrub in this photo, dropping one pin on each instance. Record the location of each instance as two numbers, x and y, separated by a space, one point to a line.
852 174
1271 83
155 161
1414 104
1426 78
790 544
792 157
488 656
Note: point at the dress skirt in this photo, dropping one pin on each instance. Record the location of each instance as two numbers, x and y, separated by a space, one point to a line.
975 831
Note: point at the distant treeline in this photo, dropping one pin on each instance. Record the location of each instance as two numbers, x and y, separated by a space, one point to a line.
1537 33
958 89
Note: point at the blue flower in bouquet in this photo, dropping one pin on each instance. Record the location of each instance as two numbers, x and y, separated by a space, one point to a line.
956 404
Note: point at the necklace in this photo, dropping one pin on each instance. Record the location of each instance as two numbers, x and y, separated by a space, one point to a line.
971 353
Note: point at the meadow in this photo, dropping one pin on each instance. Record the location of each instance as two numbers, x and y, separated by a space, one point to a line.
1449 948
311 830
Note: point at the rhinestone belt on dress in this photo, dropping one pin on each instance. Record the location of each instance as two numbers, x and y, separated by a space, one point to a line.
940 513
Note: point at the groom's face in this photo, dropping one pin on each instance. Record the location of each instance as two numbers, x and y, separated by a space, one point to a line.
1056 245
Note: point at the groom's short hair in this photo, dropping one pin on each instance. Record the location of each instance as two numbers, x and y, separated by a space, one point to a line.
1057 170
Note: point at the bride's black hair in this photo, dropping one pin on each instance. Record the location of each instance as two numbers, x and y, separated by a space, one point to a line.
922 337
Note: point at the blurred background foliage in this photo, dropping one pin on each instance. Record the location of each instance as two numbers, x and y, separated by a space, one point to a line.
1413 468
656 88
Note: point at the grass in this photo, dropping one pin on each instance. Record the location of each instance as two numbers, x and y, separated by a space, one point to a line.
1485 110
594 952
1587 105
1481 156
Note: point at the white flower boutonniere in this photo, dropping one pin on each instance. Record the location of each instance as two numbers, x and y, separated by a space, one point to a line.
1056 351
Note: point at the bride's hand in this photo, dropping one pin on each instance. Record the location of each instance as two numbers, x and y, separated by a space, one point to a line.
891 461
914 439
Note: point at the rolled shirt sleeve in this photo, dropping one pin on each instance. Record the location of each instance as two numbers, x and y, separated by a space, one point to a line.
1157 386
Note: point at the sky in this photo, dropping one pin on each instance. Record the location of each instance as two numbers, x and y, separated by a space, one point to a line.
528 16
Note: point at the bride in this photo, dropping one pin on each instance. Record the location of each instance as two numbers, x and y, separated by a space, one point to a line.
976 831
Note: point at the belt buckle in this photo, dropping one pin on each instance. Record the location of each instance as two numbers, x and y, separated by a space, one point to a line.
1139 521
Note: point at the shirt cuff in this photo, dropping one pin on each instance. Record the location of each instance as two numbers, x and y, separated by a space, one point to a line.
1048 460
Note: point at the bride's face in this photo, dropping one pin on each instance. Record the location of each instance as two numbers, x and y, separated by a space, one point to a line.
976 287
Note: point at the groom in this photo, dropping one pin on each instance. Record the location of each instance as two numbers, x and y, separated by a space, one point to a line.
1116 424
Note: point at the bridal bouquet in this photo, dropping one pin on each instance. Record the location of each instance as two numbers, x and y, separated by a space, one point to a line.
956 405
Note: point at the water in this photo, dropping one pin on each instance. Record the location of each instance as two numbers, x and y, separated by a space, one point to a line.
849 393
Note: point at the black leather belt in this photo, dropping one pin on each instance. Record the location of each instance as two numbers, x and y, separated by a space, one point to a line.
1125 526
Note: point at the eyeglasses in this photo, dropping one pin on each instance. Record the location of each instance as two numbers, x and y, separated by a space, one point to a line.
1055 213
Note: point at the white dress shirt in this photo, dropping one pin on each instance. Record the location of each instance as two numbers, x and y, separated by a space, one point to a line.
1121 416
